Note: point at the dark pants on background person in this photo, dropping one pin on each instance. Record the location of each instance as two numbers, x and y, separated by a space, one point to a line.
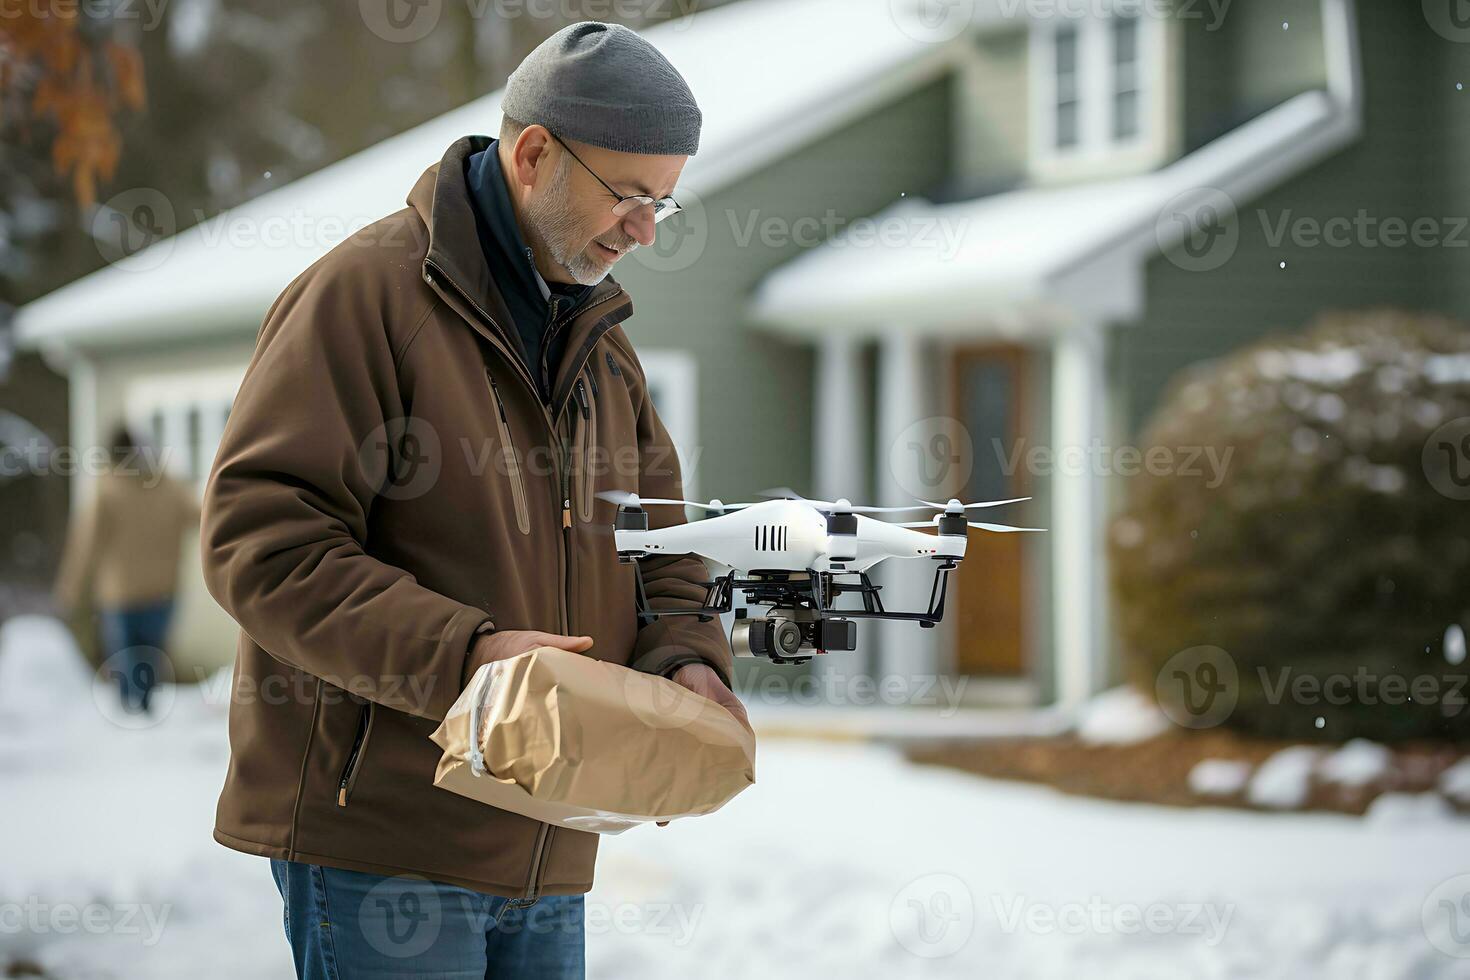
346 925
132 644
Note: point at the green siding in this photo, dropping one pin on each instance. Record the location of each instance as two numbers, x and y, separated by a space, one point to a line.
1446 160
993 114
1192 316
1243 62
754 389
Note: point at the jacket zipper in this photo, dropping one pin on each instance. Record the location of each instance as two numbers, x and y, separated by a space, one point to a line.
348 778
544 841
544 836
512 462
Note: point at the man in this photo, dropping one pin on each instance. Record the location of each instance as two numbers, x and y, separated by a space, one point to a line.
122 554
405 491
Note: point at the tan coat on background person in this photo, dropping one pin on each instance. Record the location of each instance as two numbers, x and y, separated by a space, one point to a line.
122 549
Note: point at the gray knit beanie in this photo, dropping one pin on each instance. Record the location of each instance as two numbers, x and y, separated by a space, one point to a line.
604 84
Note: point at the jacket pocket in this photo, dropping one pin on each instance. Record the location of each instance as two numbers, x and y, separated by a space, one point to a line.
587 446
353 765
511 460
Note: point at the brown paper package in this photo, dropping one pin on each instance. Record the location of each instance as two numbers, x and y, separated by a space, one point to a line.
592 746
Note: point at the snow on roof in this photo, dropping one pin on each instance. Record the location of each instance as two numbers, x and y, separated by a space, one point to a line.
768 74
924 264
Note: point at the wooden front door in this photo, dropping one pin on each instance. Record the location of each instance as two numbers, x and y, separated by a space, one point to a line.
989 593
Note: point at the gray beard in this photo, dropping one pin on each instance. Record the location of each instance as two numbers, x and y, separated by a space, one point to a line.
556 230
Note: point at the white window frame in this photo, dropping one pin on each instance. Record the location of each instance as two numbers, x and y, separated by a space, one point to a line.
1097 152
674 374
172 397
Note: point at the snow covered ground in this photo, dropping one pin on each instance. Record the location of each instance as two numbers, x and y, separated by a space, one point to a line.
843 860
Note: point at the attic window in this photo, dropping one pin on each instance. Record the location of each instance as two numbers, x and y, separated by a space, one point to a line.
1096 92
1126 78
1068 107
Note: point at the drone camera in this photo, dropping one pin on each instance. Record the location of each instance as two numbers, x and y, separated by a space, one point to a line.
774 637
782 640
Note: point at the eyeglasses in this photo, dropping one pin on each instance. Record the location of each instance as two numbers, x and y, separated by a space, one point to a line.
662 207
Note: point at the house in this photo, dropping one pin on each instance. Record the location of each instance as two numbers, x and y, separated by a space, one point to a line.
953 257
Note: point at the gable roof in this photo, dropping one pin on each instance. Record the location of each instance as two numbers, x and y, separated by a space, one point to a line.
1044 256
1041 254
770 75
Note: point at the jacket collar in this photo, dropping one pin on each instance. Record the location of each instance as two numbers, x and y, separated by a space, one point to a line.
487 192
442 200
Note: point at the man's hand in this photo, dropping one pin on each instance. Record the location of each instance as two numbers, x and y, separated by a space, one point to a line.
504 644
702 680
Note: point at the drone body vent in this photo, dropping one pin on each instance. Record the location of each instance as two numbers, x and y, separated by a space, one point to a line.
770 537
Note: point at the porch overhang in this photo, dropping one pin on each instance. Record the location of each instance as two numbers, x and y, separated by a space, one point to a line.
1033 260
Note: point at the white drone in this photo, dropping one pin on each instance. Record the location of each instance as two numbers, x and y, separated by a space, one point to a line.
799 555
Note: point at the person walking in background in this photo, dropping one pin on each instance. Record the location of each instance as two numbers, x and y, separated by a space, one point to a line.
122 552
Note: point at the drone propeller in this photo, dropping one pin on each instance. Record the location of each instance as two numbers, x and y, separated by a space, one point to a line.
980 524
841 505
954 506
624 499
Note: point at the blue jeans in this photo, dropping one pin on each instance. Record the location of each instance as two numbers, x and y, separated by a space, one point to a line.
135 636
347 925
